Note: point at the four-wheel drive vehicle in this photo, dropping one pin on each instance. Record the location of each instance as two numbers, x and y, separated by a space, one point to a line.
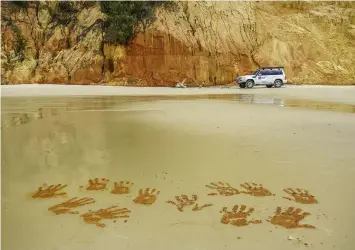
269 76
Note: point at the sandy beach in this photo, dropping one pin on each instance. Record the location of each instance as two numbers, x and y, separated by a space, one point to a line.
92 160
176 147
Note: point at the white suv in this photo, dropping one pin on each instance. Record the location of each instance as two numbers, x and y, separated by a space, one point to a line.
269 76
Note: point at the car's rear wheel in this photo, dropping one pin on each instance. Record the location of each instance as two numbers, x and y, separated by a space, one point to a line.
249 84
269 86
242 85
278 83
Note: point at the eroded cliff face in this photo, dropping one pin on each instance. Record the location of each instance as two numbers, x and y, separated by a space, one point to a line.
54 52
205 42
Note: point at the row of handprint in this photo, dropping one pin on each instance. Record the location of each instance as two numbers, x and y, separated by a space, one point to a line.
238 216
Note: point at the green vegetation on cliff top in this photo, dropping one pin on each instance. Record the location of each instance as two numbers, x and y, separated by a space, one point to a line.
125 19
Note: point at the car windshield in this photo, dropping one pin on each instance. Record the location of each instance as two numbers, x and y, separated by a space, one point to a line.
256 72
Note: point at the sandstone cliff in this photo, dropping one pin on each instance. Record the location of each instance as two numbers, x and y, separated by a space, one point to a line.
204 42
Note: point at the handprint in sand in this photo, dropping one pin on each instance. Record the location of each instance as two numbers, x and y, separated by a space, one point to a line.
112 212
238 218
183 201
290 218
146 197
224 189
300 196
256 189
50 191
122 187
97 184
66 207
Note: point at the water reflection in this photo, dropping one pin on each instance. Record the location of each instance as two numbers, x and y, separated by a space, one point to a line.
48 141
320 105
12 115
16 119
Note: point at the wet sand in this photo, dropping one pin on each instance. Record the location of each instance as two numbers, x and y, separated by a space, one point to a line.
340 94
177 147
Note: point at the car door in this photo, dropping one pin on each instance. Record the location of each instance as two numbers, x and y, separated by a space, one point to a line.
270 79
260 78
275 75
268 76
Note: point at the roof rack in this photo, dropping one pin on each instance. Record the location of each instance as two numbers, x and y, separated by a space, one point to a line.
280 67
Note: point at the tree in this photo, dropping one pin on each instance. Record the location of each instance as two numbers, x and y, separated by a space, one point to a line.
18 4
125 19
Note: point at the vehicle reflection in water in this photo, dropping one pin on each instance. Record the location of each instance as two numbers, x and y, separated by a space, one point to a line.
252 99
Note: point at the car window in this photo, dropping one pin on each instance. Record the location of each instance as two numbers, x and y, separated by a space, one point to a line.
261 72
267 72
276 72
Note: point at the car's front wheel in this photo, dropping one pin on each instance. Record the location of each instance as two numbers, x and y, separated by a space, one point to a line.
278 83
242 85
249 84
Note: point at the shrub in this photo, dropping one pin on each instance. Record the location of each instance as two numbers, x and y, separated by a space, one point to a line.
125 19
65 13
18 4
